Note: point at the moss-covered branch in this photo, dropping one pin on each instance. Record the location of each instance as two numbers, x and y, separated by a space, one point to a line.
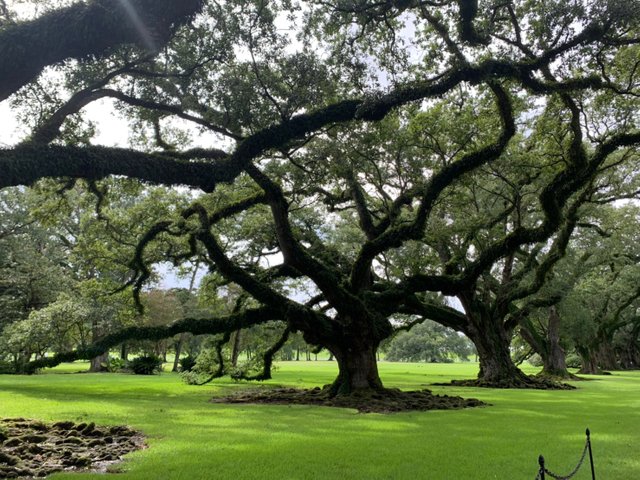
431 190
86 29
267 359
209 326
28 163
553 200
442 314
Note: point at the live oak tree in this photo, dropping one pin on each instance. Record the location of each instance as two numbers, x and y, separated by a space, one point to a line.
607 305
602 308
31 259
595 296
296 124
428 342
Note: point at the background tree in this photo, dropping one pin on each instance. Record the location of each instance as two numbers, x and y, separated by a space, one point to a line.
31 259
429 342
161 308
593 283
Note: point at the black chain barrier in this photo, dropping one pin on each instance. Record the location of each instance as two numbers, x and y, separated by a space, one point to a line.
543 471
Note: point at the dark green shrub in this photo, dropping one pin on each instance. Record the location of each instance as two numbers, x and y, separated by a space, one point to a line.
187 363
535 360
146 365
7 368
573 361
115 364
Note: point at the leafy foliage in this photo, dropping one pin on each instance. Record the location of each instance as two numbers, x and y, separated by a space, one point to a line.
429 342
145 365
187 363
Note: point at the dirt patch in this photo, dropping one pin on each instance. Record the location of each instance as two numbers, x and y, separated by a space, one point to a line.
30 448
534 383
368 401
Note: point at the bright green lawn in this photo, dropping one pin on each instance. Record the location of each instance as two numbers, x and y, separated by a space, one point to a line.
190 438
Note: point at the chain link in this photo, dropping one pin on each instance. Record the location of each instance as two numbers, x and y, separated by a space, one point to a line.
575 470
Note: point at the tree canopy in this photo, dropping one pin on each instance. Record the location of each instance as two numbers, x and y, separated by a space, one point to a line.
381 154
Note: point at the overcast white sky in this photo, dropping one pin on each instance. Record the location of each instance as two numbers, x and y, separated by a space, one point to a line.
112 130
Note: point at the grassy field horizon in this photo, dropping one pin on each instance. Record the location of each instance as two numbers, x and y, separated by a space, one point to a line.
192 438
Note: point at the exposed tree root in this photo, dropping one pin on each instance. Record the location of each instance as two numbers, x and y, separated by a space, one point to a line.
365 401
534 383
591 372
568 376
30 448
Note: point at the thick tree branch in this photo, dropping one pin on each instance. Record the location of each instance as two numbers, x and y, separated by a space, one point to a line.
442 314
27 163
86 29
210 326
553 198
395 236
267 359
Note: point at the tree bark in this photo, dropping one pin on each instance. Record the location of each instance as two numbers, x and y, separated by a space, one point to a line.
357 369
124 351
605 355
176 361
629 353
589 363
492 343
235 350
85 29
99 362
554 361
548 347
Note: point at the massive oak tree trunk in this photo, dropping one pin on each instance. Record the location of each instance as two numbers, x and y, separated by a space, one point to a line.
548 347
589 358
554 363
355 352
176 360
597 356
589 363
492 343
492 339
357 369
235 350
99 363
606 356
629 353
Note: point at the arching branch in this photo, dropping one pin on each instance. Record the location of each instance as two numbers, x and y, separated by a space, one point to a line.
267 359
431 190
28 163
209 326
84 29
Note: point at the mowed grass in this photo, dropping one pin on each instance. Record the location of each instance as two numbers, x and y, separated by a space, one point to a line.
191 438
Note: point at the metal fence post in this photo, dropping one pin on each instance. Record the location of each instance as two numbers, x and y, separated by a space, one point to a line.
593 471
541 471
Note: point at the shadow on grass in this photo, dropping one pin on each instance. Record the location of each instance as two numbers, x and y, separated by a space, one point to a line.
191 438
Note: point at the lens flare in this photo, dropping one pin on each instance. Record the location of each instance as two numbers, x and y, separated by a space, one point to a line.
146 37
